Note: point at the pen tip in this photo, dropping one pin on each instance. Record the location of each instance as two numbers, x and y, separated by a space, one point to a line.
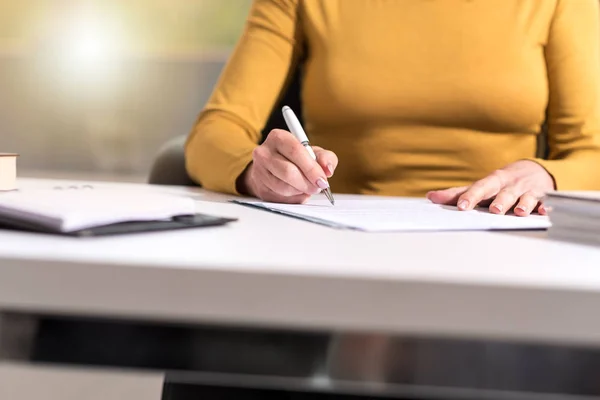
329 196
285 108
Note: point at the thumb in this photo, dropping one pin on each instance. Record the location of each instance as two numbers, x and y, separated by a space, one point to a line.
326 159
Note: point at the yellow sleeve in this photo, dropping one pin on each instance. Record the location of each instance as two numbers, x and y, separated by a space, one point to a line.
573 62
220 146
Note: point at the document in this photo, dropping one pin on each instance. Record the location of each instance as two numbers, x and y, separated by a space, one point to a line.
69 210
399 214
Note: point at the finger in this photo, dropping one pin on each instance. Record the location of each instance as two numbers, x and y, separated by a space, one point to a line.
278 186
505 200
279 167
274 184
481 190
543 209
327 160
527 204
269 195
447 196
288 173
289 147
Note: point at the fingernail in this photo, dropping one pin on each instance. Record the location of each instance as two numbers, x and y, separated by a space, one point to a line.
463 204
498 207
322 183
330 169
521 208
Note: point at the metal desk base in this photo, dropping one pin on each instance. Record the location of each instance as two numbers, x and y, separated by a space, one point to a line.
350 363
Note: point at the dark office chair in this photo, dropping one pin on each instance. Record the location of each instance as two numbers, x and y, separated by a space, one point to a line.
169 165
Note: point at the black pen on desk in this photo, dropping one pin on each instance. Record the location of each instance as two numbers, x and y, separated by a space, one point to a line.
296 129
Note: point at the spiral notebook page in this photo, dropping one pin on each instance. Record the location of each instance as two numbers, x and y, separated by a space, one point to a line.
399 214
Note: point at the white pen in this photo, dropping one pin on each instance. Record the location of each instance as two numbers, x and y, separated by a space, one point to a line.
296 129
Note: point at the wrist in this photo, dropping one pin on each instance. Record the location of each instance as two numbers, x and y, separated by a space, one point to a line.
546 178
244 181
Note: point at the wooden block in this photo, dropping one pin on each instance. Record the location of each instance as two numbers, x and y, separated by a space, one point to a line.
8 171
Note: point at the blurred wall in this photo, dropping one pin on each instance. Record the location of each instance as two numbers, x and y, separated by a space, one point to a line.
96 126
100 85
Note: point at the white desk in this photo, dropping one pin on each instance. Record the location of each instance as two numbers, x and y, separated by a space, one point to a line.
477 285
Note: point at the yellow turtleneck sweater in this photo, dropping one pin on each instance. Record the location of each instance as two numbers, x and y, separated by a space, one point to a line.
413 95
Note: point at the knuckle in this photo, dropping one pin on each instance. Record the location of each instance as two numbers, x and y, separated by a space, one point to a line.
499 176
319 151
327 155
278 136
530 194
271 139
289 172
508 192
256 153
295 150
479 185
259 153
330 154
274 134
470 193
466 196
329 159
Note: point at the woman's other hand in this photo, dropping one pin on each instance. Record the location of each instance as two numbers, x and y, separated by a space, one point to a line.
282 171
520 185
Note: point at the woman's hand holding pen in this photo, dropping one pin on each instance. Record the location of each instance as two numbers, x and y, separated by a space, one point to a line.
283 171
520 185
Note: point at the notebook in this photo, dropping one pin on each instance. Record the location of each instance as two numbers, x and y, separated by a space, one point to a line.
398 214
85 211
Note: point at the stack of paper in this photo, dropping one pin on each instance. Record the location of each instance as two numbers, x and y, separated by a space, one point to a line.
575 216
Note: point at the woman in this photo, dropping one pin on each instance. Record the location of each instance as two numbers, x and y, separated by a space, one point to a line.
443 98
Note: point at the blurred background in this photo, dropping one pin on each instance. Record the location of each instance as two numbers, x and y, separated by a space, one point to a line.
93 88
